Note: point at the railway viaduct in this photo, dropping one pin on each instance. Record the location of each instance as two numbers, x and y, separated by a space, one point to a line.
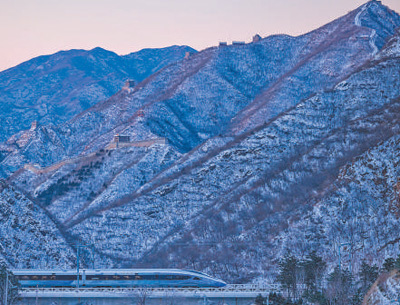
228 295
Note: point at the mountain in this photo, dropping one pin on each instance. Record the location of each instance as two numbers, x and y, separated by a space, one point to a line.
286 144
54 88
223 90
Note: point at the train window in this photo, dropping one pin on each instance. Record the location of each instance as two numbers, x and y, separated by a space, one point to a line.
184 277
67 277
149 277
181 277
168 277
196 278
101 277
137 277
96 277
58 277
175 277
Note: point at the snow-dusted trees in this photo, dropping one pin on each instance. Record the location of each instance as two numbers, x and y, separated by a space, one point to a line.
307 280
8 286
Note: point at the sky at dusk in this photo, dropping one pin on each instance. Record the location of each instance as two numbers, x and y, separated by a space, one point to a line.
29 28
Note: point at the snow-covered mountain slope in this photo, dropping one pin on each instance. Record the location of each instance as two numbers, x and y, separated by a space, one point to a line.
385 290
270 144
254 196
28 236
334 51
228 89
392 47
212 92
54 88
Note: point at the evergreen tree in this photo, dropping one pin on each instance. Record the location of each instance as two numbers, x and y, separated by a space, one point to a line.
340 288
288 274
259 300
314 272
367 276
397 263
277 299
389 264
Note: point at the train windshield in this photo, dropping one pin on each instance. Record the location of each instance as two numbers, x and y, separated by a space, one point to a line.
197 272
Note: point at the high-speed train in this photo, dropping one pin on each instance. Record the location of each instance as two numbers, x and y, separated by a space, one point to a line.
116 278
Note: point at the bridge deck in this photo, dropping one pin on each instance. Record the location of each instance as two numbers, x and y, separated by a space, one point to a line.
234 291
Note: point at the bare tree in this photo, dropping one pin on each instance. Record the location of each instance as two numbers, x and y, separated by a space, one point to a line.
9 293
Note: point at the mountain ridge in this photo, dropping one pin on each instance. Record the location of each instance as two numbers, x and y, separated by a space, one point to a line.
225 201
53 88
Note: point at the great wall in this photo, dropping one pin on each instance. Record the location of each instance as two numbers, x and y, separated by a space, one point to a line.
115 144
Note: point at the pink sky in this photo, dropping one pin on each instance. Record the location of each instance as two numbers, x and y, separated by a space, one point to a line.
29 28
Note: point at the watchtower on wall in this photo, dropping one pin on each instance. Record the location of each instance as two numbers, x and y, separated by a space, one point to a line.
129 83
256 38
34 125
121 139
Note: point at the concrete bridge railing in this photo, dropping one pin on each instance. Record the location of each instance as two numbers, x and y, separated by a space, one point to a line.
227 291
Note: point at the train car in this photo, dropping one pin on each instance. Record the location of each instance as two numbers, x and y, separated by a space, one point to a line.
116 278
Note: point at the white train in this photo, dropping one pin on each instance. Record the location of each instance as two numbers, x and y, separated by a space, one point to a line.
116 278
